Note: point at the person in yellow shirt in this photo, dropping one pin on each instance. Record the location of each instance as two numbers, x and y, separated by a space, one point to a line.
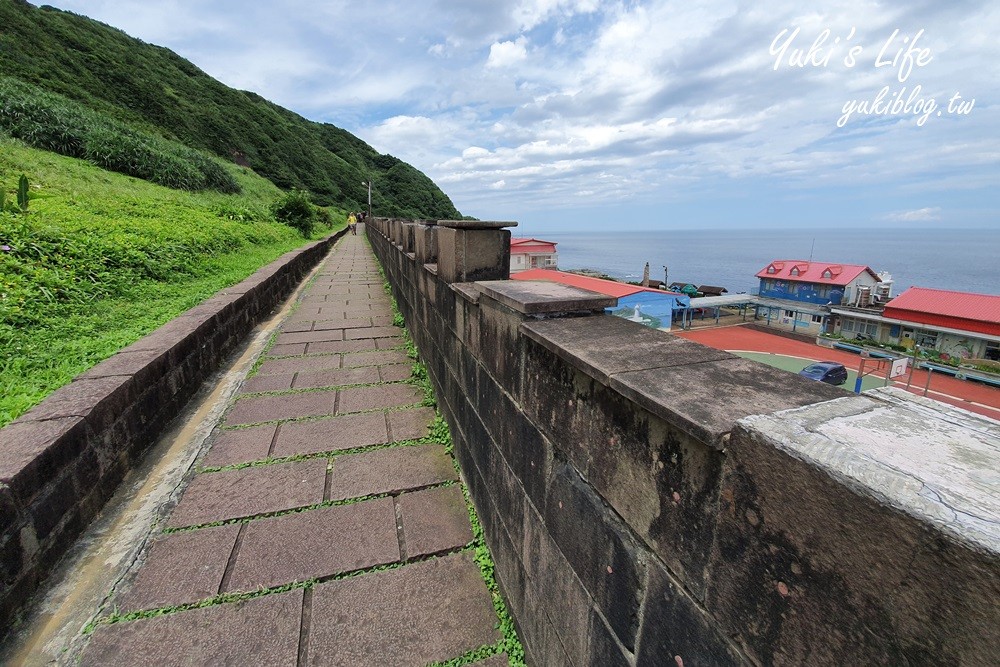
352 223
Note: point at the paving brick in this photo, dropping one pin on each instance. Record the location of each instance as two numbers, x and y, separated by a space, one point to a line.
374 359
181 568
289 406
262 631
233 494
287 350
344 323
284 366
329 435
389 343
430 611
341 346
434 520
395 372
290 326
372 332
317 543
309 337
410 424
267 383
357 310
240 446
338 377
389 471
374 398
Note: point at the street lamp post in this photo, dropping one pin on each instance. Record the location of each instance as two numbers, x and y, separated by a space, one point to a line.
369 184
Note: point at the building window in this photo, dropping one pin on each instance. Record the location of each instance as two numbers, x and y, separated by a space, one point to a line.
823 291
827 274
771 269
847 325
992 351
926 338
817 319
794 271
868 328
789 313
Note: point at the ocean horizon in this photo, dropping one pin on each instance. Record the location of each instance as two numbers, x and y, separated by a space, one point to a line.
964 260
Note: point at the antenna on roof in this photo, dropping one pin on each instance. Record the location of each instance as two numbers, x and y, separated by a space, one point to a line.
811 248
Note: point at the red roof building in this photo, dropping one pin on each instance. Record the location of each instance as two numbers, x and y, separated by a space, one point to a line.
964 311
957 324
526 254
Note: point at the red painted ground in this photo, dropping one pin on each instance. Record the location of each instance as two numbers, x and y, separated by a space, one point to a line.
972 396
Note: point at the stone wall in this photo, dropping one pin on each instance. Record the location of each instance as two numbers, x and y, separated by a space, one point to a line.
62 460
638 511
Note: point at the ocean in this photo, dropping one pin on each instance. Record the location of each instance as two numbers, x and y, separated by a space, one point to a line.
951 259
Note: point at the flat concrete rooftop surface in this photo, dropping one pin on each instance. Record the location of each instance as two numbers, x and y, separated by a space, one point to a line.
323 526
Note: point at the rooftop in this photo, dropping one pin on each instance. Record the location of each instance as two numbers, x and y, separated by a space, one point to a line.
825 273
529 244
964 305
599 285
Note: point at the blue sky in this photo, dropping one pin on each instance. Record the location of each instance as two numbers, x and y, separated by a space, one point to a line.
582 114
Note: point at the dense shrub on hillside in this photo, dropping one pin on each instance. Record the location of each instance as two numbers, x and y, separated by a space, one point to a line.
295 210
52 122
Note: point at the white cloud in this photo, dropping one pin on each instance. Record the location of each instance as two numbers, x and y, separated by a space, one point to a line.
584 101
919 215
505 54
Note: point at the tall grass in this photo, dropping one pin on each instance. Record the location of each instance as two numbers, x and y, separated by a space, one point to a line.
52 122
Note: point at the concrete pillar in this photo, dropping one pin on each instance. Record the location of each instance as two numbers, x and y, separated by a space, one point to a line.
425 242
406 239
471 250
396 231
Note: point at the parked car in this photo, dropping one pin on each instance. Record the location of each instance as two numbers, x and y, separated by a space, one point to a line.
829 372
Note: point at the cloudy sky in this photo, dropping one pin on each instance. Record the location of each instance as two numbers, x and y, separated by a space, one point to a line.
568 114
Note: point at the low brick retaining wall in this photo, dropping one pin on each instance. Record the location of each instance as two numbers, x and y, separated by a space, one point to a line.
61 461
651 501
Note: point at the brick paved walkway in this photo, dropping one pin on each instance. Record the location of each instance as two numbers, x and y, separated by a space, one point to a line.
322 527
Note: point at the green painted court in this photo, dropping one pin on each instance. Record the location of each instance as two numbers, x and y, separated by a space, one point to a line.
796 364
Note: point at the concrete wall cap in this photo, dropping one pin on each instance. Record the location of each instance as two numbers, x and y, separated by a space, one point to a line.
700 390
536 297
475 224
930 460
468 291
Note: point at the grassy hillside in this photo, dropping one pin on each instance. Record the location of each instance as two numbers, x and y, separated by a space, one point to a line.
100 259
153 87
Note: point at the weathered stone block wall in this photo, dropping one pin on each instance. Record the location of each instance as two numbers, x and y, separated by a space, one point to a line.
62 460
638 515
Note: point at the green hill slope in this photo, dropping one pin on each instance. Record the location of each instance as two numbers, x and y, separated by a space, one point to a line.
100 259
151 86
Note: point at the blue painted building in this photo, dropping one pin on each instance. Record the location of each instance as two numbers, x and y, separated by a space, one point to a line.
795 294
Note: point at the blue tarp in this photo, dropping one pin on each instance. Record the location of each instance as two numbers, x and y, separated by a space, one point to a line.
655 310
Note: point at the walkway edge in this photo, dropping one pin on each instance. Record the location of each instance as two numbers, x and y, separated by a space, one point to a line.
62 460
